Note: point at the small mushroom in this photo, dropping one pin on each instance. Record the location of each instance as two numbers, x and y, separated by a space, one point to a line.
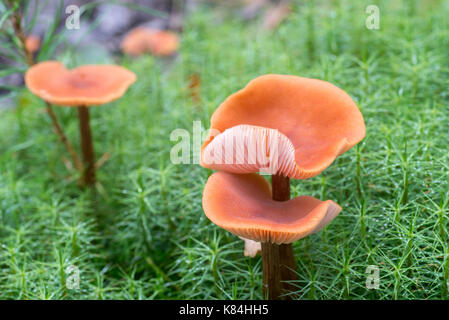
145 40
32 43
289 127
82 87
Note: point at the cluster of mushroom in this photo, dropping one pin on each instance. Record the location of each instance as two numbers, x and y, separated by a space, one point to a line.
289 127
85 86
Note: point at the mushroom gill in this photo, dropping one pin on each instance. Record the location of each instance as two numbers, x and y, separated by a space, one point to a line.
311 121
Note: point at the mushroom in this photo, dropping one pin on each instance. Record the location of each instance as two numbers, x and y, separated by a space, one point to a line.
309 121
289 127
243 205
81 87
32 43
157 42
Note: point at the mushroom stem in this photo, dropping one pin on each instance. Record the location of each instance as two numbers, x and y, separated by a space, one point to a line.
272 286
280 186
288 268
87 147
278 261
63 138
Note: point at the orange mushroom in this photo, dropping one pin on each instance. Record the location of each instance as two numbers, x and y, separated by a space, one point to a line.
142 40
243 205
81 87
290 127
308 122
87 85
32 43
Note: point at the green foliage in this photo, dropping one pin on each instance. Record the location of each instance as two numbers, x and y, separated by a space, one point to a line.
143 235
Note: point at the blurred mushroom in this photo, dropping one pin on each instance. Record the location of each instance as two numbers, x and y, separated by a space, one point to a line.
81 87
289 127
145 40
32 43
135 43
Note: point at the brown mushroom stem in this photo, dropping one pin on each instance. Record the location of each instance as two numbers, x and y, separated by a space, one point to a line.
87 147
288 268
63 138
281 192
278 261
272 286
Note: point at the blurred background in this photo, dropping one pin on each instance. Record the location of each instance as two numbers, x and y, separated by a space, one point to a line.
104 24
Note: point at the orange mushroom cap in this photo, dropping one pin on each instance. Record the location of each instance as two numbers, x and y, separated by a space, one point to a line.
83 86
297 126
242 205
141 40
32 43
